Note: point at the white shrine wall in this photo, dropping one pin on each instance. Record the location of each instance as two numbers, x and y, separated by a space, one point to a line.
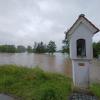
82 32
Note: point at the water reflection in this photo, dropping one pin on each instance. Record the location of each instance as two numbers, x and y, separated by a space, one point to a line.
55 63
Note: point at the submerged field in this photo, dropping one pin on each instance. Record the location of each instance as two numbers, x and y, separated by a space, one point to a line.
33 84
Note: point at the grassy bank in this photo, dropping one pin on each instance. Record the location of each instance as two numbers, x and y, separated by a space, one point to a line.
33 84
95 88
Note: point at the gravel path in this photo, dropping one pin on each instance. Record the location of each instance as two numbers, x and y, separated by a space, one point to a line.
5 97
82 96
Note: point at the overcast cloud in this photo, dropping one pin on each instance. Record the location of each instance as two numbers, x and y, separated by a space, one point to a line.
26 21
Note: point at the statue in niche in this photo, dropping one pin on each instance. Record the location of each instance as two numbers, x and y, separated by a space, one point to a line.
81 48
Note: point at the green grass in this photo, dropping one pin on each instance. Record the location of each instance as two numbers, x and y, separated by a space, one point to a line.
33 84
95 88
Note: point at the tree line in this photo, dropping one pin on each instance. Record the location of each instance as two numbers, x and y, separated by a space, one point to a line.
39 47
96 49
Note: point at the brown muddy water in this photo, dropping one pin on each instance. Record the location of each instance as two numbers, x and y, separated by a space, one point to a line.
55 63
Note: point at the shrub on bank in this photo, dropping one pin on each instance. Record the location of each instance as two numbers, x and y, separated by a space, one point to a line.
33 83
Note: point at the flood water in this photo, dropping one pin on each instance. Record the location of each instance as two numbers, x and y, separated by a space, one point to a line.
55 63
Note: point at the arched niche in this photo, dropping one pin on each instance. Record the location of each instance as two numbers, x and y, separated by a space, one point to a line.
81 48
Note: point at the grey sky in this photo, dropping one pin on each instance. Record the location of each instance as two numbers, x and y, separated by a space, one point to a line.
26 21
